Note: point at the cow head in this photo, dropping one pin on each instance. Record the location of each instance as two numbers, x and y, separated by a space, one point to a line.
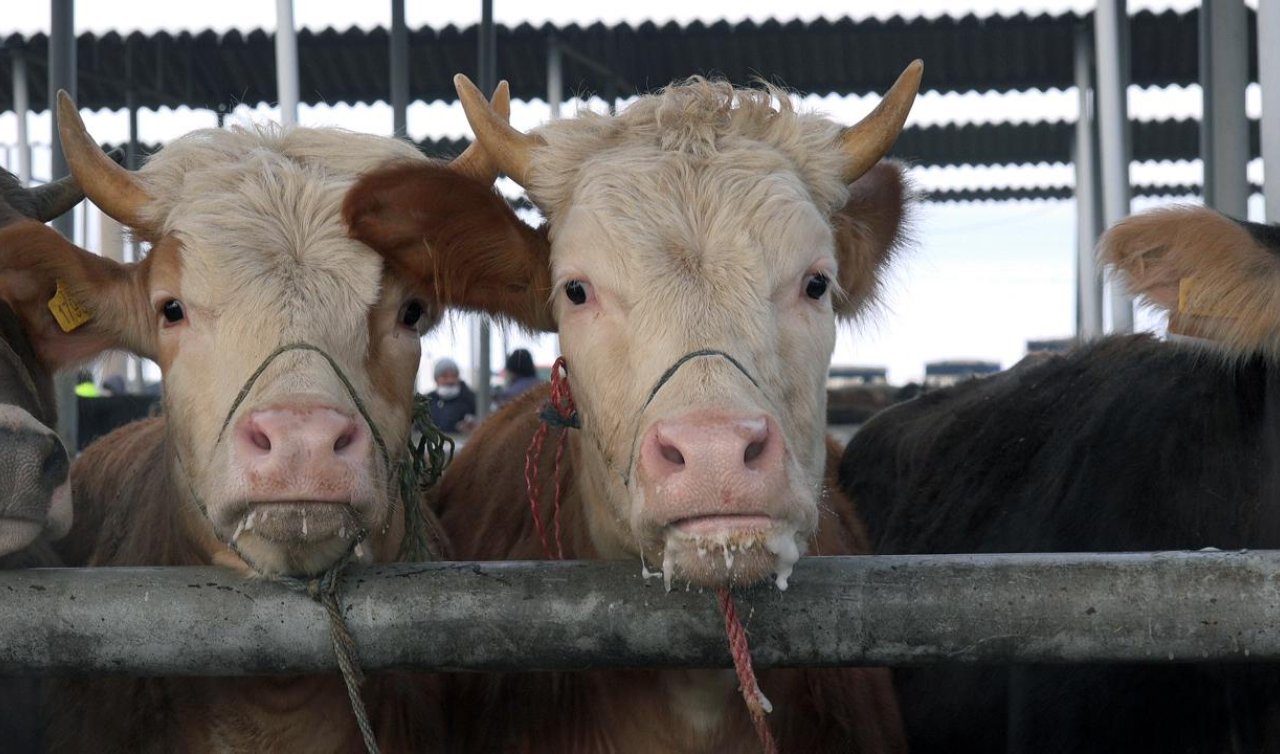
288 353
35 495
1211 274
699 249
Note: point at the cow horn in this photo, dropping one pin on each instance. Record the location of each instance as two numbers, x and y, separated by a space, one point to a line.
115 190
508 148
872 137
54 199
474 160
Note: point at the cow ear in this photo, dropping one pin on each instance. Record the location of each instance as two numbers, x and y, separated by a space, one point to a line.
73 304
869 229
456 239
1192 260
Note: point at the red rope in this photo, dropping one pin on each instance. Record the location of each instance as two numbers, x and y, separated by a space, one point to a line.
561 403
565 415
757 704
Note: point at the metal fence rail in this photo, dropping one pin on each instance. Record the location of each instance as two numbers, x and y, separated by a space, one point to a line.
1202 606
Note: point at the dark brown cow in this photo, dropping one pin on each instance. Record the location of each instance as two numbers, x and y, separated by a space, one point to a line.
699 249
1129 443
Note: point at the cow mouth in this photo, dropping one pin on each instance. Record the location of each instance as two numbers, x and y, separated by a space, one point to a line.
733 525
719 550
299 522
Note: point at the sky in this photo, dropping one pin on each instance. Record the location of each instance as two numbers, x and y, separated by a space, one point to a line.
978 281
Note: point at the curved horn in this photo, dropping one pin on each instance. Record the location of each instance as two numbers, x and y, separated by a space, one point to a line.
872 137
474 160
115 190
507 147
54 199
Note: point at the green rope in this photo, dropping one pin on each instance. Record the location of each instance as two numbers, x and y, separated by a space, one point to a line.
421 469
323 589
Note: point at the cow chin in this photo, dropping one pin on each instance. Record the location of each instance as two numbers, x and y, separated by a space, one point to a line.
298 538
731 551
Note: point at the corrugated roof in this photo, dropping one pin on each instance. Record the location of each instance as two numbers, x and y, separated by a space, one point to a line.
986 144
999 53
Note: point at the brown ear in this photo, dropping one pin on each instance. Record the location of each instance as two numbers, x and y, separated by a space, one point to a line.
98 301
869 229
456 239
1161 249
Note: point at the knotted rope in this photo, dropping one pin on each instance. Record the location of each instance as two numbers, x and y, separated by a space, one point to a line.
422 468
324 590
560 411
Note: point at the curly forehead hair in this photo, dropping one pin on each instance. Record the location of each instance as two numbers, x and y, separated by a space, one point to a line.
697 119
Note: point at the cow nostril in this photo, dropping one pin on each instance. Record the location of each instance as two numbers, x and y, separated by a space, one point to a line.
753 451
344 440
55 466
260 439
672 454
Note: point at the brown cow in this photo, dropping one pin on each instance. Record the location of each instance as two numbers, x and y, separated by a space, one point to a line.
35 499
699 249
288 356
35 496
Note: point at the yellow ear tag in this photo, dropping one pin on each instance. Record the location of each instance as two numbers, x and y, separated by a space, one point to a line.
1187 303
69 314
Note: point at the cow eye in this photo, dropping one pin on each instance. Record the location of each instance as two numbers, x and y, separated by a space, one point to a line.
576 291
411 315
173 311
816 286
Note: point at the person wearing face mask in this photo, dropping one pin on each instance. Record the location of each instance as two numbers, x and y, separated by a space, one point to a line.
452 404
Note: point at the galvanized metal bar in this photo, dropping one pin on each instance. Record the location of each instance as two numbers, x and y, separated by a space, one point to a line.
287 86
1111 41
555 77
21 106
1088 194
62 75
1269 79
487 75
1128 607
399 70
1224 126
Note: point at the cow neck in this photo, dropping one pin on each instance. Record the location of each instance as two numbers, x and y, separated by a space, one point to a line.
560 411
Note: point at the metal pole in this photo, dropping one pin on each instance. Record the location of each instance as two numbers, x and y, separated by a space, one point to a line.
62 75
1111 33
907 609
1224 127
1088 209
287 63
488 79
21 104
555 77
399 70
1269 78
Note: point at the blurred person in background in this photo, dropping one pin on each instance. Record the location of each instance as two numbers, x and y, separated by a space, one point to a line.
452 404
519 375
